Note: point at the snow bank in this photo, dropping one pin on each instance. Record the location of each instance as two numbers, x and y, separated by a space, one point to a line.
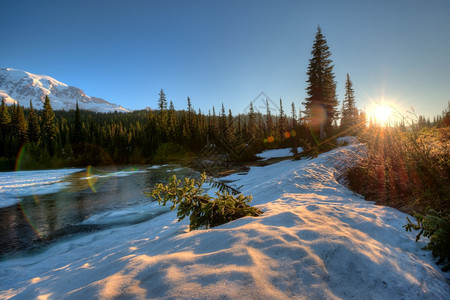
14 185
265 155
315 240
351 140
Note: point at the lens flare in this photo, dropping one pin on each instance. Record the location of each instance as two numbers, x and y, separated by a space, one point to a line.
29 221
91 178
20 159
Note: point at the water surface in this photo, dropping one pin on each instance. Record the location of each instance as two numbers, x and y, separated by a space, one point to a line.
38 208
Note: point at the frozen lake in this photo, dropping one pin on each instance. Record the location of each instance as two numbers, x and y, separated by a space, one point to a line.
38 208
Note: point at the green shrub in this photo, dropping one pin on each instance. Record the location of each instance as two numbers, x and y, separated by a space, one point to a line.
436 226
202 209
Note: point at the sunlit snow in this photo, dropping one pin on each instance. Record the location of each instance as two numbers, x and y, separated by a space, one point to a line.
277 153
315 240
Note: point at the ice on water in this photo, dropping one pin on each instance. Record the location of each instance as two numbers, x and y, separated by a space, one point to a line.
15 185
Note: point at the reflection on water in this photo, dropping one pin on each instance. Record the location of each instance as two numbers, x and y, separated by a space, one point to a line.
92 200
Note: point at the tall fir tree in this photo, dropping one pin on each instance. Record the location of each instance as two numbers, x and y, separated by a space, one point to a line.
162 115
48 127
321 103
223 120
230 131
190 117
77 135
172 123
213 128
34 131
282 121
5 118
294 116
252 125
269 121
21 126
350 113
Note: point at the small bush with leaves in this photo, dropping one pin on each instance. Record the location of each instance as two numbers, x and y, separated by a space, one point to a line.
202 209
435 226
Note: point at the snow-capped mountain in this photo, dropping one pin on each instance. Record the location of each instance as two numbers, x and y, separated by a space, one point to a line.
20 86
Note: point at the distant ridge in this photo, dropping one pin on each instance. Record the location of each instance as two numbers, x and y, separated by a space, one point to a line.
21 86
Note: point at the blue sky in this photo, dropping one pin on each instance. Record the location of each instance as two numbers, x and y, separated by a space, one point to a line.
230 51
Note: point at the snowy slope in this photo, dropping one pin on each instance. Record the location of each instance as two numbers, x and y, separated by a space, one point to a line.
21 86
284 152
315 240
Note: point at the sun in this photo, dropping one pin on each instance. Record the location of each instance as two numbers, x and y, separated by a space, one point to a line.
381 113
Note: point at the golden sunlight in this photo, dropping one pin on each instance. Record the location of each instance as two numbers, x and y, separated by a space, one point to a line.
381 113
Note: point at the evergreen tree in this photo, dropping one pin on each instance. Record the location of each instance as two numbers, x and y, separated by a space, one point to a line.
282 120
5 118
14 115
321 102
190 117
21 126
77 136
294 116
48 126
350 113
223 120
162 114
230 135
172 123
34 131
252 126
269 121
213 128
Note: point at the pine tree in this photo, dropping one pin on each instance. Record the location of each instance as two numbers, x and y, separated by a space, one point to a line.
230 135
34 130
162 114
350 113
172 123
223 120
190 117
294 116
48 126
269 121
321 102
77 136
21 126
5 118
282 120
252 126
213 128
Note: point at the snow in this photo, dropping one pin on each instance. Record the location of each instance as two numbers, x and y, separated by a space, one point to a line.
265 155
347 139
14 185
315 240
114 174
130 215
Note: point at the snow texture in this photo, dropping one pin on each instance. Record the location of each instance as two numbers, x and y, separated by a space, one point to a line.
14 185
265 155
315 240
23 87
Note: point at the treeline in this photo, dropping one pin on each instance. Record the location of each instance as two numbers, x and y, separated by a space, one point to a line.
33 139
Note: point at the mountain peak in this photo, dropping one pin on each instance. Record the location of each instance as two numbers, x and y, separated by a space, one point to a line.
17 86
